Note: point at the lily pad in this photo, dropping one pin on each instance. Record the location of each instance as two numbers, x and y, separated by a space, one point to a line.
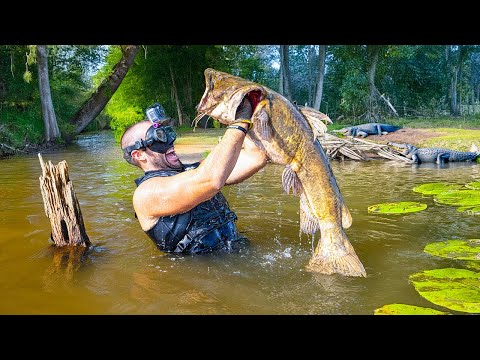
474 265
397 207
403 309
455 289
475 185
436 188
455 249
459 198
471 210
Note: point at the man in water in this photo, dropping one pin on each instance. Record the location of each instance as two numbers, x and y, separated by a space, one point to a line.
179 206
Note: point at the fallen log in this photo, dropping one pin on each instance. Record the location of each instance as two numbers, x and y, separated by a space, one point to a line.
61 205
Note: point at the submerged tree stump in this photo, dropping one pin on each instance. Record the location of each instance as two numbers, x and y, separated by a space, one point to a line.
61 205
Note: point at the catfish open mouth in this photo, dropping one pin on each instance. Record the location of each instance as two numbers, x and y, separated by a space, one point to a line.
254 97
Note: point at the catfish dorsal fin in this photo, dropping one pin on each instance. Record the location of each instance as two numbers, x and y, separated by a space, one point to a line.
317 120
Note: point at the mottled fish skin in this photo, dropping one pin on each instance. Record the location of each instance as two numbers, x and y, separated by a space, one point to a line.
288 137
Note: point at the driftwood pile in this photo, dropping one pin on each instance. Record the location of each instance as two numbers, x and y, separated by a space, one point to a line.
358 149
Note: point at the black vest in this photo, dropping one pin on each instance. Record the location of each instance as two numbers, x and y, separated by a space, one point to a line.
208 226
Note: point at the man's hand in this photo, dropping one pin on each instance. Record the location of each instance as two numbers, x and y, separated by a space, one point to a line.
244 110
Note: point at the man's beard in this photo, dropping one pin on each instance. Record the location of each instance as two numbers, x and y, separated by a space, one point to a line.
169 160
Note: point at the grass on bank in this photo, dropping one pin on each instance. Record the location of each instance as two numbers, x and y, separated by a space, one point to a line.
454 133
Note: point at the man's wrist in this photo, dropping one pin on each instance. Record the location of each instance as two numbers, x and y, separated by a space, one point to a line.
239 126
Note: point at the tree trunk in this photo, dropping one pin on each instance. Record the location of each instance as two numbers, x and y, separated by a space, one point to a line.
372 113
49 119
455 66
177 100
285 71
280 81
472 100
453 91
321 76
96 103
311 65
459 79
61 205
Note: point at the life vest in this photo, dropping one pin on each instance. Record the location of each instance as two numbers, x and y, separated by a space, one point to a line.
208 226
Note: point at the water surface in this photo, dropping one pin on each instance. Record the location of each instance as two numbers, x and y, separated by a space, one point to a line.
124 273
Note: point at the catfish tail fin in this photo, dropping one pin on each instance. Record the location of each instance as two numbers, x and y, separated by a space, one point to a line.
335 254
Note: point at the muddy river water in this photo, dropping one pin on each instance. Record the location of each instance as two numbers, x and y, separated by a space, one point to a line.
124 273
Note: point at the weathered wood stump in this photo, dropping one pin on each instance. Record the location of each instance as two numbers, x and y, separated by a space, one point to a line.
61 205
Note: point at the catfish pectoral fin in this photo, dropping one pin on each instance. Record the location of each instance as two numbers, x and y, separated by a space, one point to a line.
308 223
262 125
346 217
290 180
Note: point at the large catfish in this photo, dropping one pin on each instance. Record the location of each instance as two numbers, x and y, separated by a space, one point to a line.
287 133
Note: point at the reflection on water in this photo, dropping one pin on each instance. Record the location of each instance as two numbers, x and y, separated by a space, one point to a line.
124 273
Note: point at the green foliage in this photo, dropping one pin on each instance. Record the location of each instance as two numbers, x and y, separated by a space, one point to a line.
455 249
20 110
149 80
123 118
414 77
404 309
27 76
455 289
397 207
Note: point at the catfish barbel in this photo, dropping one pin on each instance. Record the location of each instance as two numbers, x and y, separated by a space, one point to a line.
288 133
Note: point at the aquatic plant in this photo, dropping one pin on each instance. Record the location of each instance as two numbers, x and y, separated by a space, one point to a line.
435 188
404 309
455 249
459 198
455 289
397 207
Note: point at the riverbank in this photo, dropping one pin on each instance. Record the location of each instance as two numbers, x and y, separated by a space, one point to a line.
203 140
7 151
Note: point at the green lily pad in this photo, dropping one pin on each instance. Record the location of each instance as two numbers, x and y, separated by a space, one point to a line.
475 185
471 210
397 207
403 309
474 265
435 188
455 249
459 198
455 289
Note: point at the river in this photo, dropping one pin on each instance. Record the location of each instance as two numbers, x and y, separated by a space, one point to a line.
124 273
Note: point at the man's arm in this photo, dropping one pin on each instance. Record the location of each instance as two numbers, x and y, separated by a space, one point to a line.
250 160
160 196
